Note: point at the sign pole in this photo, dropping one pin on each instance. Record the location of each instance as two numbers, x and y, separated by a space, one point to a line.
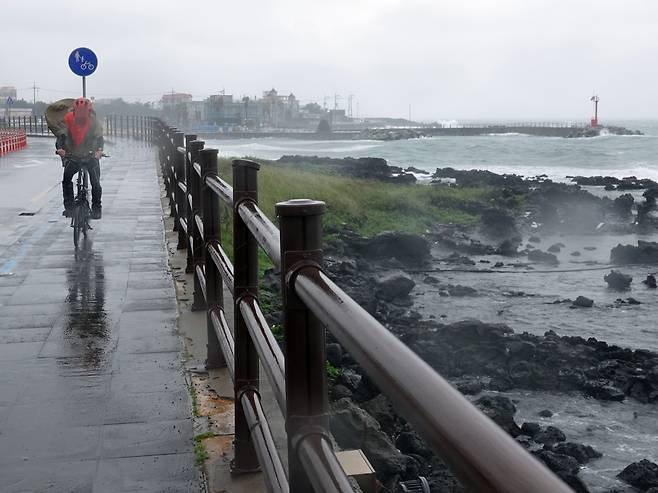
84 86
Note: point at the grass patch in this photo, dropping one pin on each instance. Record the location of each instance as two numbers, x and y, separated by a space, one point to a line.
200 453
203 436
332 372
367 206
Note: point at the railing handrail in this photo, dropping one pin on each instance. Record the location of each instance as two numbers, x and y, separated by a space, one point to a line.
480 454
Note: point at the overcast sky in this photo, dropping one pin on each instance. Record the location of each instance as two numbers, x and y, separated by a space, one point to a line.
447 59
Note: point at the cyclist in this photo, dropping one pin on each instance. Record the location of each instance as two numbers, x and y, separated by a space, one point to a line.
82 139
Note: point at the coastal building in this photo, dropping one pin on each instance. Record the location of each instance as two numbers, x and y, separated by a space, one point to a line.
175 107
222 110
280 110
174 99
226 113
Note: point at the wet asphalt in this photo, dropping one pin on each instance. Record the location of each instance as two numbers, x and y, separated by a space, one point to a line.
92 392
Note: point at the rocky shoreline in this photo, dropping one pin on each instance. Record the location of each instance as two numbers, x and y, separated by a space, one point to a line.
477 358
485 360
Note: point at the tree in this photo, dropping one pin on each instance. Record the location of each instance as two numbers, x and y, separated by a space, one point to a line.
313 108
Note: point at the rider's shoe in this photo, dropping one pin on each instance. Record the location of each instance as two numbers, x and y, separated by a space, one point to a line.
68 212
96 212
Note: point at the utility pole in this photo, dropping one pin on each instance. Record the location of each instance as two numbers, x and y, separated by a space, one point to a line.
349 105
34 94
336 98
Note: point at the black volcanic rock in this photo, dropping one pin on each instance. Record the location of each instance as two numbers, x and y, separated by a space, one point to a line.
372 168
501 410
408 248
582 453
617 280
500 359
556 247
623 204
544 257
650 281
354 428
646 252
643 475
582 302
410 443
394 285
549 436
477 178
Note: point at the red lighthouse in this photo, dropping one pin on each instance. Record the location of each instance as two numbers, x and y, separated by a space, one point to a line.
595 120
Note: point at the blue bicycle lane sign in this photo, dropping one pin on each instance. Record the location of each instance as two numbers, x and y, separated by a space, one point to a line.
83 62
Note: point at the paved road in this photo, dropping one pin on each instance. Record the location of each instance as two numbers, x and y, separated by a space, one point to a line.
28 179
92 394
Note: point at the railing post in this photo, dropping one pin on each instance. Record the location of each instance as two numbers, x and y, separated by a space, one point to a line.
300 223
169 131
197 245
245 261
211 231
179 175
191 156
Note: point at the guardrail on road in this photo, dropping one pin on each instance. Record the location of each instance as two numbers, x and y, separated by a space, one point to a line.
12 140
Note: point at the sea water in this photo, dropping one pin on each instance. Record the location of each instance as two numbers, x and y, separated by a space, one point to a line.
556 157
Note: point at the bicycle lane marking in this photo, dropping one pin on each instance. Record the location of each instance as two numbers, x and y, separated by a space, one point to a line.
10 265
44 193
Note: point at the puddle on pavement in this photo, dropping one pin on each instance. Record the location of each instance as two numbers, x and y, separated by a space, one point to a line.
86 328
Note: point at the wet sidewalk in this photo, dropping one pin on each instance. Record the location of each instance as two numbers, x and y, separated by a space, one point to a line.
93 395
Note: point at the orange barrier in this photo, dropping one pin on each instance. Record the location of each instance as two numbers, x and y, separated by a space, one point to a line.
12 140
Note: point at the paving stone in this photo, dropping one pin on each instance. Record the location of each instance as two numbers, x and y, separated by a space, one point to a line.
174 473
142 408
47 476
27 321
51 443
139 439
151 294
147 381
18 351
150 305
38 334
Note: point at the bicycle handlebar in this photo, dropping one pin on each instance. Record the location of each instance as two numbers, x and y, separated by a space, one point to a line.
91 153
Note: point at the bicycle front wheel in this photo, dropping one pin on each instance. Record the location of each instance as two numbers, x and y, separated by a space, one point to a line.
77 225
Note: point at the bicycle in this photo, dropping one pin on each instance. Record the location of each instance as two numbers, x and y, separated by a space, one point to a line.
81 210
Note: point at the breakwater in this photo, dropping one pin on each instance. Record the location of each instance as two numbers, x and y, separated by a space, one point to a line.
418 132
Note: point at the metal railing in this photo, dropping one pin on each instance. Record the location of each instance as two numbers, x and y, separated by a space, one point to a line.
481 454
31 125
135 126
